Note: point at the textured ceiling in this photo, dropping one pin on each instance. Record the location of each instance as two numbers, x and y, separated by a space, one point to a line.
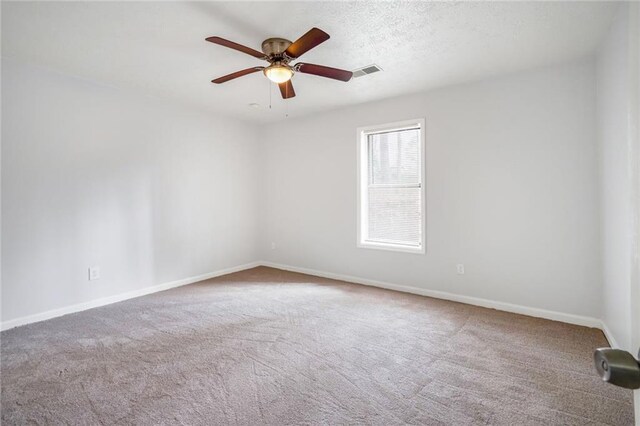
158 48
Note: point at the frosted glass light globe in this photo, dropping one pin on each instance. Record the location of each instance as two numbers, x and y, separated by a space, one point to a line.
278 73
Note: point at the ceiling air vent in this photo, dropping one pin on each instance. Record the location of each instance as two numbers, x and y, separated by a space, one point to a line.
369 69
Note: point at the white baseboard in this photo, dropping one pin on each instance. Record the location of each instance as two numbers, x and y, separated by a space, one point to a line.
609 335
501 306
120 297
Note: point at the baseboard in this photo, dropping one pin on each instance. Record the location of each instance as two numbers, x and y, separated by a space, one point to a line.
609 335
120 297
501 306
486 303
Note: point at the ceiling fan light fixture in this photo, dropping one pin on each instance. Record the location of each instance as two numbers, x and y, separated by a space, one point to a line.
278 52
278 73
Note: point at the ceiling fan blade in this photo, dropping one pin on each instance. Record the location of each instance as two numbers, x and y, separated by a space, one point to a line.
322 71
236 46
286 90
236 75
308 41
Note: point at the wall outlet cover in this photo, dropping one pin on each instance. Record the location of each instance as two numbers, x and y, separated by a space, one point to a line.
94 273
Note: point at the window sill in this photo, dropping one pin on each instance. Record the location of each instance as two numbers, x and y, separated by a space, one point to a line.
391 247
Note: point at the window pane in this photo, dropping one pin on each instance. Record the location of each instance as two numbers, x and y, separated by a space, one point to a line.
394 215
393 157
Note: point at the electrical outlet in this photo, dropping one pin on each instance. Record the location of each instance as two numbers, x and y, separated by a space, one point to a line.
273 246
460 269
94 273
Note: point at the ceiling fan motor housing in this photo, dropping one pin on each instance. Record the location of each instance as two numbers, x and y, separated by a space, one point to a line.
274 47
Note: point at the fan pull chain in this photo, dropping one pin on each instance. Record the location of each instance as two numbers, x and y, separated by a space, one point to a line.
286 109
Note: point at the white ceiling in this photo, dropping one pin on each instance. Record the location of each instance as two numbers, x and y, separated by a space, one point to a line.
158 48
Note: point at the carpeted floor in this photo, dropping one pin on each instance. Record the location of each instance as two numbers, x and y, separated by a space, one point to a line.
271 347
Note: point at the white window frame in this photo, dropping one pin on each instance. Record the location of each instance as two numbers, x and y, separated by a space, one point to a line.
363 185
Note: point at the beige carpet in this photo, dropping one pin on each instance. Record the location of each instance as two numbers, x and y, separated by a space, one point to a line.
271 347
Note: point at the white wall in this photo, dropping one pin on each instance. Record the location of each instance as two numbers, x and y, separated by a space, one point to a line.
634 114
91 175
613 121
618 94
511 191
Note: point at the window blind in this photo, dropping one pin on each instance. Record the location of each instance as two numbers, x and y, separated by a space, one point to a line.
394 187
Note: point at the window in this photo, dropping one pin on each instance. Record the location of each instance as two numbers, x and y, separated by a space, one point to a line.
390 187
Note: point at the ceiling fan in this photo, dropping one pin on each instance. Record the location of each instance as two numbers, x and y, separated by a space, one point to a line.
279 52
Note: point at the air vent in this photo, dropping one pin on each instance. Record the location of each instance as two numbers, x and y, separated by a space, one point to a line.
369 69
